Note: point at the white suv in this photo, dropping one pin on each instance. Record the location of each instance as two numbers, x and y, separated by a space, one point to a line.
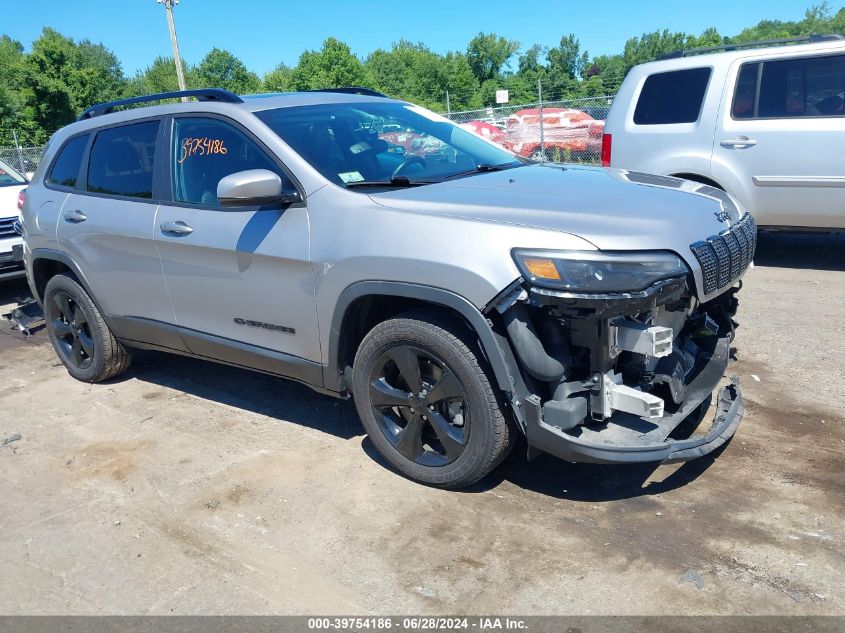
765 124
12 185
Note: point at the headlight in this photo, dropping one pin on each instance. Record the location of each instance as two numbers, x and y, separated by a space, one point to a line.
597 271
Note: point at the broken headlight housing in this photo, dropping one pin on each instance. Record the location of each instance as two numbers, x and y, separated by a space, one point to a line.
597 271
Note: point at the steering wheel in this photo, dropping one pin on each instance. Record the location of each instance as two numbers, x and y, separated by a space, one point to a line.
407 163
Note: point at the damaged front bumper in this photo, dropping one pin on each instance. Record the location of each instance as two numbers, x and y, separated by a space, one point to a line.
624 438
588 414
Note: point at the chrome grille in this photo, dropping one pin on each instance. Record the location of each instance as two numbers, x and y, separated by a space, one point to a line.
724 257
7 227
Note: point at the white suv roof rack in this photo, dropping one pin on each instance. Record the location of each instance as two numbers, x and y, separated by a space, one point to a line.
806 39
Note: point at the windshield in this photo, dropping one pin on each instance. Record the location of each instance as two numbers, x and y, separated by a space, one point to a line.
382 141
9 176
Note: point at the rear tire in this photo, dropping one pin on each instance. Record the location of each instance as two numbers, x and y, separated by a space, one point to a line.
80 336
427 402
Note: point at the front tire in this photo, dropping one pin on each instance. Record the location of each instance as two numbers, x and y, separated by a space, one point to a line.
426 400
80 336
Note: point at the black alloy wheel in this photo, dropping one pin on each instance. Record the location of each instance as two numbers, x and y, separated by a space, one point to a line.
420 406
79 333
70 325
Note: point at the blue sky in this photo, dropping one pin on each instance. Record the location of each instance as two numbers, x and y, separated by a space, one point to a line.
264 33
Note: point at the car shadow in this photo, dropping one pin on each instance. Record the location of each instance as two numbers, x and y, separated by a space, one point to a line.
291 402
813 251
276 398
556 478
590 483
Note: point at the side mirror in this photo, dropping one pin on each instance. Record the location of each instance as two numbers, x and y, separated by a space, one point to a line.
254 187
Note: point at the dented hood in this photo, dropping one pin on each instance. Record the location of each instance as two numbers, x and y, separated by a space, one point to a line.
611 208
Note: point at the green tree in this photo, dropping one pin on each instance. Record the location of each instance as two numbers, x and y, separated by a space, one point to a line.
413 72
62 78
97 75
332 66
160 76
461 82
278 79
408 71
220 69
566 64
13 115
48 68
488 54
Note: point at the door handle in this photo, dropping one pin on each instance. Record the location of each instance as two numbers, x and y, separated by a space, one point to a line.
177 229
76 216
739 142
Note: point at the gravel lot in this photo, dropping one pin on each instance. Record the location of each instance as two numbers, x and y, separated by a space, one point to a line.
187 487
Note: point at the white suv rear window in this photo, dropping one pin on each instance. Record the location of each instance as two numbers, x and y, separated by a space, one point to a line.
672 97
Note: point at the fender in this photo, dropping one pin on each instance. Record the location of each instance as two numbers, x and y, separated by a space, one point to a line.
494 346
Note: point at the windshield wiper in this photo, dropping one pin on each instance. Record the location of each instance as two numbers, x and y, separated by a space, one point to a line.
484 168
394 181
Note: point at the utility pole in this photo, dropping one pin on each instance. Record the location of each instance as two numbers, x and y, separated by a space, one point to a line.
180 76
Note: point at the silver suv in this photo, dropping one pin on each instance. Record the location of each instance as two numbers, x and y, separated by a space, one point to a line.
368 247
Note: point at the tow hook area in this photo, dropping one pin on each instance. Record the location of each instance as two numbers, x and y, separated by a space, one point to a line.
650 341
614 396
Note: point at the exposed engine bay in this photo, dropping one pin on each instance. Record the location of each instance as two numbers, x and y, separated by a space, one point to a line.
621 369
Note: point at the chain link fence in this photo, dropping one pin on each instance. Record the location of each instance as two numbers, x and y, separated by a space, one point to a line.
567 131
22 159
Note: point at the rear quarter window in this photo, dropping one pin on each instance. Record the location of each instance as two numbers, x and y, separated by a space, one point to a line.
672 97
65 168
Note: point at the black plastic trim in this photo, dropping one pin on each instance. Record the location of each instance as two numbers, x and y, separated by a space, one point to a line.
352 90
63 258
805 39
205 94
502 360
253 357
132 330
167 337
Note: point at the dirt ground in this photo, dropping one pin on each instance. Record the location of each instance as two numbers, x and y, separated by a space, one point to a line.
186 487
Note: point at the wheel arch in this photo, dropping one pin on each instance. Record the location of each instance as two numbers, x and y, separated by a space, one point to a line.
47 263
364 304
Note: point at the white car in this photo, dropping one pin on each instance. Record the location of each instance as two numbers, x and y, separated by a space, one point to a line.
766 124
12 185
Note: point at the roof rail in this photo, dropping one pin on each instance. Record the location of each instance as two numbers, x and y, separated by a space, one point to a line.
352 90
806 39
205 94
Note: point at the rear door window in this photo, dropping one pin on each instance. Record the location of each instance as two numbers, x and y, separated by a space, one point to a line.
802 87
672 97
122 160
66 166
